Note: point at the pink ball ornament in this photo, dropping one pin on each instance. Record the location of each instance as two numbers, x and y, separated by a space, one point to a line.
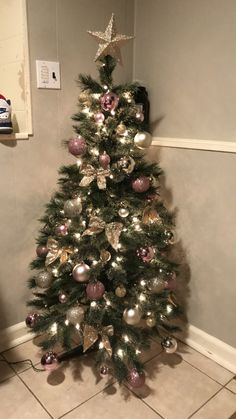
62 230
99 117
49 361
136 379
41 251
145 253
141 184
109 101
104 160
95 290
171 283
77 146
31 319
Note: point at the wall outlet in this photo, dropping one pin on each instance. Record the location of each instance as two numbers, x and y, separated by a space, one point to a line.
48 74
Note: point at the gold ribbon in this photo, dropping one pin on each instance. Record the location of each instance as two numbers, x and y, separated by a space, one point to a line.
55 252
112 230
91 335
90 173
150 215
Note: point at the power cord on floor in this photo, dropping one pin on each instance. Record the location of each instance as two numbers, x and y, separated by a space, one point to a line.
28 361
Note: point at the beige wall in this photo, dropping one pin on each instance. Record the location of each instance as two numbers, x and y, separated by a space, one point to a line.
185 54
57 30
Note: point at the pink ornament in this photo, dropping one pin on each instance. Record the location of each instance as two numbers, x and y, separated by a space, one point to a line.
62 297
153 197
146 253
171 283
31 319
49 361
41 251
62 230
99 117
109 101
104 160
141 184
95 290
136 379
77 146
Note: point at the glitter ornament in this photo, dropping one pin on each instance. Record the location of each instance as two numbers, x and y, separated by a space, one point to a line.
146 254
104 160
95 290
156 285
49 361
132 315
77 146
120 291
141 184
63 297
136 379
121 129
31 319
61 230
44 279
99 117
73 207
151 321
105 256
81 272
126 164
143 140
171 283
169 344
41 251
123 212
109 101
104 371
75 314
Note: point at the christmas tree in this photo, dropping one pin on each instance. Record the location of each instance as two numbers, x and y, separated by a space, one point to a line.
102 271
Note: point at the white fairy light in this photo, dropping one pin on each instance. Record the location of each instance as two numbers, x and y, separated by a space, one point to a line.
122 140
135 220
105 87
93 304
169 308
55 271
88 193
142 282
124 229
120 353
94 262
54 328
86 110
108 303
138 227
137 351
79 162
126 338
84 223
119 259
94 151
149 313
96 95
101 345
114 264
66 322
77 326
77 236
113 112
111 176
142 297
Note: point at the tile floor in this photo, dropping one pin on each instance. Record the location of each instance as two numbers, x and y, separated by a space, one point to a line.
179 386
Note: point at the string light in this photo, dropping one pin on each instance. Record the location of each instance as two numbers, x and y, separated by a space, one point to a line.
169 308
120 353
119 259
105 87
126 338
79 162
135 219
66 322
95 262
113 112
111 176
94 151
55 272
137 351
119 246
142 282
114 265
84 223
77 236
77 326
101 345
54 328
108 303
142 297
93 304
138 227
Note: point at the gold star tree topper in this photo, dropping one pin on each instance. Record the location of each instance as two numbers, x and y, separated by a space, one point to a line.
110 41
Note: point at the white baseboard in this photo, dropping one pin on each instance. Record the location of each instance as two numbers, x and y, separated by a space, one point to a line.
14 335
195 144
213 348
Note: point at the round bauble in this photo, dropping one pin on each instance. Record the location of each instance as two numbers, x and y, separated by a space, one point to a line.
153 197
41 251
123 212
62 297
156 285
61 230
126 164
104 160
77 146
143 140
151 321
146 253
73 207
81 272
49 361
104 370
139 116
141 184
170 237
31 319
132 315
99 117
95 290
120 291
171 283
44 279
121 129
109 101
169 344
75 314
105 256
136 379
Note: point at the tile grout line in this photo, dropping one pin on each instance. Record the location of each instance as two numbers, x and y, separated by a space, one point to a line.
198 369
204 404
146 404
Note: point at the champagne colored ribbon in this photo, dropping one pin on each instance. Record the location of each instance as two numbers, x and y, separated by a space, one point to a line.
55 252
90 173
112 230
150 216
91 335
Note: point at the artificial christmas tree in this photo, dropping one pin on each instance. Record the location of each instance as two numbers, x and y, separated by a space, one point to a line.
102 256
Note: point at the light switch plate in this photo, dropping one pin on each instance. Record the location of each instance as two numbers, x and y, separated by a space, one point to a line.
48 74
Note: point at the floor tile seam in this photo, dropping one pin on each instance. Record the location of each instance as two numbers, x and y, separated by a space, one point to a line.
140 398
198 369
16 346
36 398
7 378
205 403
6 362
85 401
231 391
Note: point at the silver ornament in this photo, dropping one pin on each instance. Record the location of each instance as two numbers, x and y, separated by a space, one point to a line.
151 321
132 315
120 291
143 139
81 272
169 344
104 370
73 207
123 212
156 285
126 164
44 279
75 314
